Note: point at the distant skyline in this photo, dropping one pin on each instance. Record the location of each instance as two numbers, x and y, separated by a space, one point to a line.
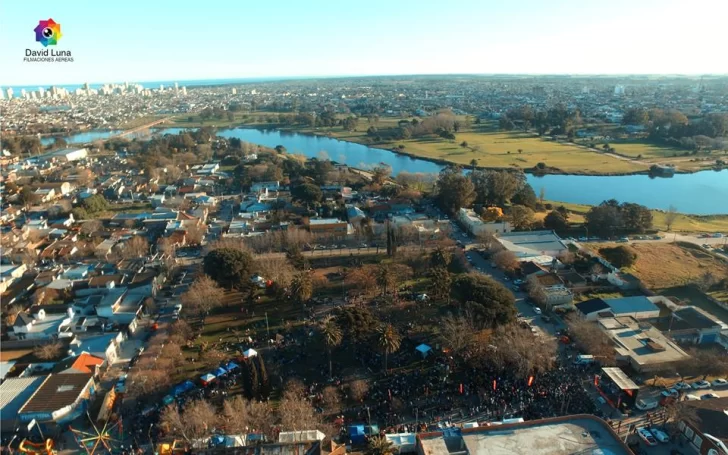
140 41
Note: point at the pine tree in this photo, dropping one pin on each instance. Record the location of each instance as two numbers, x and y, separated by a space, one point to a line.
247 380
263 378
254 381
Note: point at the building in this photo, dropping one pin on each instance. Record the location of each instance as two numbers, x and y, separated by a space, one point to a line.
709 435
265 187
66 155
638 307
475 225
14 393
329 226
640 345
60 399
41 326
533 244
691 325
556 436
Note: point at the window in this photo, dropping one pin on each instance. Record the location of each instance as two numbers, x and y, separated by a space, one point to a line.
689 432
698 441
681 426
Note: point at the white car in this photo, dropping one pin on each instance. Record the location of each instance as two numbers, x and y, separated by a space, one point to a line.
660 435
682 386
701 385
537 310
720 382
646 436
691 397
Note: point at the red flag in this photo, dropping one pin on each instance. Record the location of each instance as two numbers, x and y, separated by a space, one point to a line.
494 384
390 394
596 379
530 381
461 388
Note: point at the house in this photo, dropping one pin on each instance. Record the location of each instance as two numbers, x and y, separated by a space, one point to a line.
78 272
60 188
105 346
40 325
66 155
44 194
157 200
104 248
265 186
476 226
354 214
15 392
209 169
83 363
18 289
59 399
9 273
692 325
639 307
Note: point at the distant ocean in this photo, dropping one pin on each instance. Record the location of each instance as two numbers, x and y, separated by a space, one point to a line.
156 84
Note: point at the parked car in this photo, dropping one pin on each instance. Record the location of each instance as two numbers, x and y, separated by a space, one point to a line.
682 386
643 405
537 310
518 282
660 435
691 397
709 396
720 382
646 436
669 393
701 385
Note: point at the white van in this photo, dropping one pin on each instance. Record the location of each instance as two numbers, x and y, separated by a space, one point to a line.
177 308
643 405
584 360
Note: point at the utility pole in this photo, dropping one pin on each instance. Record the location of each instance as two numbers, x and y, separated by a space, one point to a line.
267 328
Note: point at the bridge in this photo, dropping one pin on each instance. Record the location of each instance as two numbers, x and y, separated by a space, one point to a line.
140 128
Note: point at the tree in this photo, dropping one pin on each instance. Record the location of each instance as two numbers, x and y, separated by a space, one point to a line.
380 174
619 256
241 416
706 362
454 190
296 413
307 193
229 267
490 302
514 350
392 240
670 216
525 196
440 282
535 290
555 221
456 333
195 422
505 260
358 390
440 257
203 295
592 340
136 247
92 227
706 281
26 198
520 217
358 323
331 397
380 445
48 351
301 288
94 204
676 412
388 341
332 336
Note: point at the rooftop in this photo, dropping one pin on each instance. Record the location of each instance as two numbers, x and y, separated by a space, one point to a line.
559 436
58 391
14 392
641 342
531 243
631 305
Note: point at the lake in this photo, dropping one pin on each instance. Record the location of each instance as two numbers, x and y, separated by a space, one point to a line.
701 193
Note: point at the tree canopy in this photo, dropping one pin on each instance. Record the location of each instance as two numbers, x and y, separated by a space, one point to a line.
489 301
230 267
454 190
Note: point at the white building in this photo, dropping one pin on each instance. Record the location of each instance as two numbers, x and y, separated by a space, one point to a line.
533 244
475 225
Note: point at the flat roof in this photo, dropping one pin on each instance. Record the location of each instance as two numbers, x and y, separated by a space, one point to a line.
558 436
620 378
641 342
531 242
636 304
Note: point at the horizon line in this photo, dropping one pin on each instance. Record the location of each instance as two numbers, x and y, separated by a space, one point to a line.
353 76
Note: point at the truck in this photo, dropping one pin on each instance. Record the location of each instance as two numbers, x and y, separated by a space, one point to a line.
584 359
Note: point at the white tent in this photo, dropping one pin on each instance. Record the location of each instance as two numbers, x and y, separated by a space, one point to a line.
423 349
250 353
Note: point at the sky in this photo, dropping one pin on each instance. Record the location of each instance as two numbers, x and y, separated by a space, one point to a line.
160 40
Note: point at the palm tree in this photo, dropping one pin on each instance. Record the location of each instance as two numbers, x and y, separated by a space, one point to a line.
332 336
388 341
380 445
385 278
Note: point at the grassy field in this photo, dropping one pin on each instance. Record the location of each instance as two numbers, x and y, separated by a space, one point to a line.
683 223
666 265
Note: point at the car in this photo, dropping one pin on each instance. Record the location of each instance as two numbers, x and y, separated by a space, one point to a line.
669 393
682 386
518 282
660 435
691 397
700 385
583 239
623 240
537 310
516 288
646 436
120 386
709 396
720 382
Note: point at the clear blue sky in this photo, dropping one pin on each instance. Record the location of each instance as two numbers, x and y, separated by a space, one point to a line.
134 40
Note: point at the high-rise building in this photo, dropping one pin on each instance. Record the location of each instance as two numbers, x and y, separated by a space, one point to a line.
184 91
176 87
23 94
161 87
2 94
41 92
235 91
10 93
618 90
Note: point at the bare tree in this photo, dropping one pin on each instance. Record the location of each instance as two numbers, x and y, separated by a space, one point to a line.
535 290
505 260
296 414
679 411
331 398
92 227
247 416
11 314
195 422
706 281
136 247
203 295
358 390
48 351
513 347
456 333
590 339
195 234
276 269
670 216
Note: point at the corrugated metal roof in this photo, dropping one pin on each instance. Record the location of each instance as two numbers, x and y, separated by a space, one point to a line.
14 392
58 391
